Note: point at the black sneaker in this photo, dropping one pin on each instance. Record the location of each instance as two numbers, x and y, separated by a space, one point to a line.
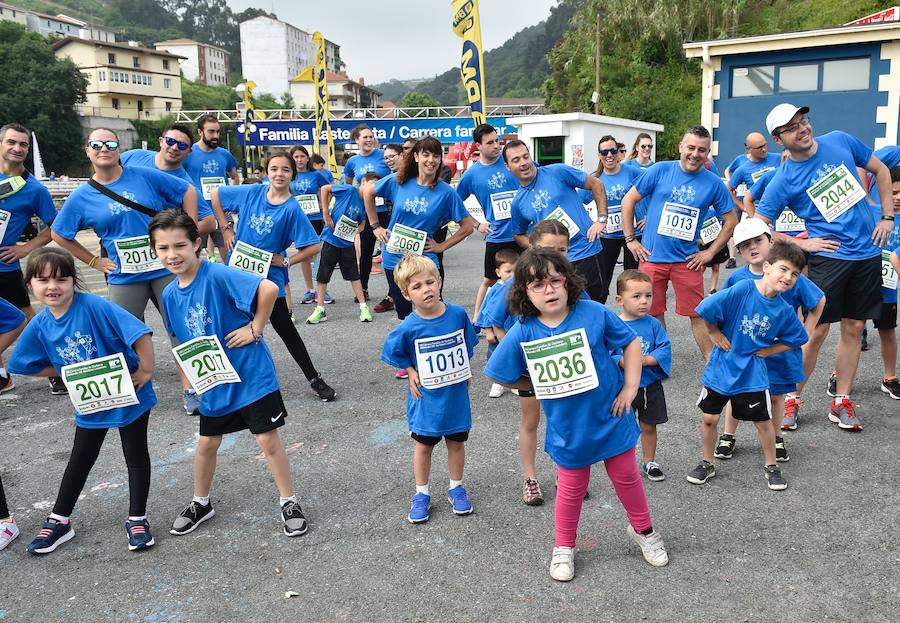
323 390
774 478
295 522
57 387
191 517
51 536
891 387
700 474
832 385
725 447
864 340
781 454
730 263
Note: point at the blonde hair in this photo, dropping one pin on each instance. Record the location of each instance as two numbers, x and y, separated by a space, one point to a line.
410 266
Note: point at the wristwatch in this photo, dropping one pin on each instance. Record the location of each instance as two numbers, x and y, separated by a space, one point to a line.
630 238
887 217
602 218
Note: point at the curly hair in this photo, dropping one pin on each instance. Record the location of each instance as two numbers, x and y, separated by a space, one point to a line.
534 265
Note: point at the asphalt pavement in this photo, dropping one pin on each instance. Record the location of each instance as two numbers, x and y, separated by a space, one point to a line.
826 549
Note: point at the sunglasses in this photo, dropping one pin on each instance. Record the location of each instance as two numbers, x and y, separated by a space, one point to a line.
650 146
99 145
606 152
171 141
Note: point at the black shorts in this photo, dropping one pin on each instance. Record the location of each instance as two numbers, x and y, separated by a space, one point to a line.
428 440
332 256
852 287
318 225
719 258
267 413
590 269
650 404
490 256
12 288
747 407
888 318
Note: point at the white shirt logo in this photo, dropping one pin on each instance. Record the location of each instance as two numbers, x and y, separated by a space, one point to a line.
756 326
211 166
117 208
496 181
261 224
196 320
541 200
683 194
78 349
303 185
416 205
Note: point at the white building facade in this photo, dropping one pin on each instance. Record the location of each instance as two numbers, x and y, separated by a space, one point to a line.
202 62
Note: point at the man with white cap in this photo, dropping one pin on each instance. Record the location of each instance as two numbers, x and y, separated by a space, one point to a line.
819 182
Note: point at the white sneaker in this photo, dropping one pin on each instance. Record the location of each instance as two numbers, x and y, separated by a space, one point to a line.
497 390
562 564
8 533
652 547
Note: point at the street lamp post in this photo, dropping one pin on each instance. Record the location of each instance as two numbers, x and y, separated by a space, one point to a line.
245 92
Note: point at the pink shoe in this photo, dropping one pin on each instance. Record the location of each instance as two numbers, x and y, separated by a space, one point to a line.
401 374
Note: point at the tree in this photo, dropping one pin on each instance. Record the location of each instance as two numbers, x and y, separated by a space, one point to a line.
41 93
416 99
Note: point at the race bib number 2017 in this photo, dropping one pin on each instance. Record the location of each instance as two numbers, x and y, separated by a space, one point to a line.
99 384
205 363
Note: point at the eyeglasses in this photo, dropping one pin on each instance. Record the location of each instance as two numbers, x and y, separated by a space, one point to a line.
613 151
171 141
763 146
793 127
650 146
537 287
99 145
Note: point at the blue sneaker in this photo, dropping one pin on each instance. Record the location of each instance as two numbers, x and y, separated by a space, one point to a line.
459 499
191 402
419 511
329 300
308 298
51 536
139 536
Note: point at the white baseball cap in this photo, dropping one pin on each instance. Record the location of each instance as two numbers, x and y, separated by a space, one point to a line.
782 115
750 228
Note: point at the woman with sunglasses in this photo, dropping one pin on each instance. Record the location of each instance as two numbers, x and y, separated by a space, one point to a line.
617 180
305 189
640 153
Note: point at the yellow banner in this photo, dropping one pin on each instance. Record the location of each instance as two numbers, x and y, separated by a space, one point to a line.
467 26
323 124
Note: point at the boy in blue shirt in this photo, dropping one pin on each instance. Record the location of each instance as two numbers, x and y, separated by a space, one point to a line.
634 292
505 265
747 323
435 345
887 322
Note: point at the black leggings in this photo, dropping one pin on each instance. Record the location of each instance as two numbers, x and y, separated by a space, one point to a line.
4 509
401 305
85 451
367 248
284 327
609 255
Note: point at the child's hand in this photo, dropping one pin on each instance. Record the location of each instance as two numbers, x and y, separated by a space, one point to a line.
622 404
720 340
239 337
414 383
140 378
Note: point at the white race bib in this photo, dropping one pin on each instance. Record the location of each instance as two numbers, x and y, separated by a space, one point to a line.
741 190
501 204
208 184
710 230
205 363
136 255
888 275
308 203
99 384
250 259
614 222
346 228
757 175
5 218
560 215
836 193
406 240
678 221
788 221
442 360
379 202
561 365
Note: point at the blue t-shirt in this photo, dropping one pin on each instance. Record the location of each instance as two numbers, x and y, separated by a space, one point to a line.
890 157
91 328
751 322
581 429
484 320
785 368
10 316
328 175
616 186
309 183
444 410
633 163
269 227
216 163
553 188
347 202
87 208
494 187
758 189
666 182
218 301
146 158
750 172
419 207
357 166
33 199
737 163
888 295
654 342
853 228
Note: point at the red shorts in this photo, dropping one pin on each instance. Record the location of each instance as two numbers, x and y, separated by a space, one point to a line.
688 286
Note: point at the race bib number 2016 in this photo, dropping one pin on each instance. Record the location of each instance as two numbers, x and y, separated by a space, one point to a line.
561 365
250 259
99 384
136 255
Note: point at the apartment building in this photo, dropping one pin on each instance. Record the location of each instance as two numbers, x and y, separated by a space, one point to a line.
202 62
343 92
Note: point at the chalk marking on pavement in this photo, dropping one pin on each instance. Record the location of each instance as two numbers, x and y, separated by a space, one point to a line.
388 434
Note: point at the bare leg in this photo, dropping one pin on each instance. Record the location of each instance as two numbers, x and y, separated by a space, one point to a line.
766 440
709 430
321 288
714 277
422 463
731 424
888 339
205 464
811 352
701 336
287 297
277 459
847 360
777 413
456 459
528 425
306 270
648 441
357 290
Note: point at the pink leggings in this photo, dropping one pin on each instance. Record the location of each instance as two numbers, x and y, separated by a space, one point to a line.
572 484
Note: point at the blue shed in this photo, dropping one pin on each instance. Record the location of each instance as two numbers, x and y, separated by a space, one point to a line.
849 76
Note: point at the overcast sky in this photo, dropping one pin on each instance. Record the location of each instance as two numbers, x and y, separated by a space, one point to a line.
383 39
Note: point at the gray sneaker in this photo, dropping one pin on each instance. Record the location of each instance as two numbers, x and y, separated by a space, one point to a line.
775 479
700 474
191 402
295 523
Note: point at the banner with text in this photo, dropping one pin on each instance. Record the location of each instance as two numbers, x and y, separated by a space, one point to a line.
467 26
322 116
303 132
